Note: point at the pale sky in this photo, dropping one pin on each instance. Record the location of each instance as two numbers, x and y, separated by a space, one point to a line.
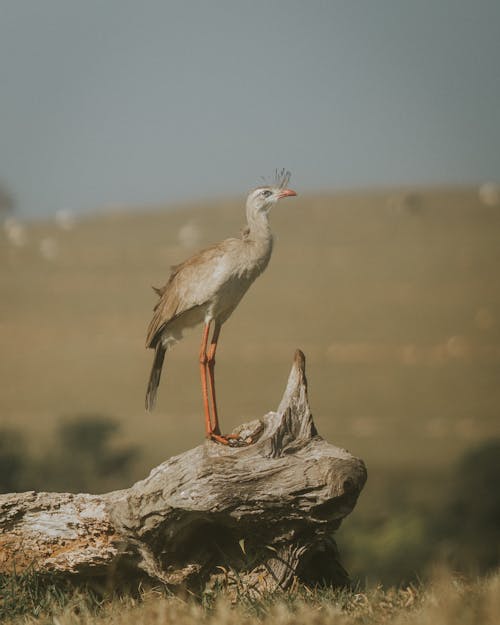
119 101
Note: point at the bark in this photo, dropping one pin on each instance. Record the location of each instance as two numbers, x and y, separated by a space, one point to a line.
254 517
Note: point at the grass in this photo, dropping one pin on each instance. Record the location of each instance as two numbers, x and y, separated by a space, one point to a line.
443 600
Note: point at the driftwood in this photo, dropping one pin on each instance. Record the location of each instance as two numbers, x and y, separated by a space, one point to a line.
258 516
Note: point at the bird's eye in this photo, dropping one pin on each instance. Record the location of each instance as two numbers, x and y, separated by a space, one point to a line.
267 193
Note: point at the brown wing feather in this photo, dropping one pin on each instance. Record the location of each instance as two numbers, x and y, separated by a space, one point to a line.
182 291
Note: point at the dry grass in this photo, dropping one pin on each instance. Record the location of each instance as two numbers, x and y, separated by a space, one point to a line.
444 601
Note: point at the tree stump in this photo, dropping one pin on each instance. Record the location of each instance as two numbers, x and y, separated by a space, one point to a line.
252 518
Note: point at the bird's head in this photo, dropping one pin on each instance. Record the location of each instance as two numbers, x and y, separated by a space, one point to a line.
263 198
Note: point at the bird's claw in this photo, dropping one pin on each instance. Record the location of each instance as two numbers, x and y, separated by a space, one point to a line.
232 440
239 442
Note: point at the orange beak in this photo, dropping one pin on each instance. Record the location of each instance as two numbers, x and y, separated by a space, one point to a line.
286 193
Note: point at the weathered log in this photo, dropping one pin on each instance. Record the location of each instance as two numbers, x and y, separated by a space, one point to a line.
258 516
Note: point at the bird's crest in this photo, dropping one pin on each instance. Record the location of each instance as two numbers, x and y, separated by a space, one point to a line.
280 180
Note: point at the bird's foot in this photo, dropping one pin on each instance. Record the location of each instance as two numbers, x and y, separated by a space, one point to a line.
231 440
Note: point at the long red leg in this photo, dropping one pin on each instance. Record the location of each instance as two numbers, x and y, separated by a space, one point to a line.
207 362
203 372
211 376
225 439
212 433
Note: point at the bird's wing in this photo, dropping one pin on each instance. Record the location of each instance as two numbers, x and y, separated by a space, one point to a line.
191 284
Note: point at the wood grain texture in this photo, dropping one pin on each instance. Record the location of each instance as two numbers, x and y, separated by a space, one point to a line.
259 515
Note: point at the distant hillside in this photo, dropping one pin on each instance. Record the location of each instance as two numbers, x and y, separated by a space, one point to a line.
393 295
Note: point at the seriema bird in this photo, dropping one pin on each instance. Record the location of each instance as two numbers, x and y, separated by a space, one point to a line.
206 288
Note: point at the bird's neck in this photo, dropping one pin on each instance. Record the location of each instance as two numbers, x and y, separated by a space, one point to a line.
259 243
259 229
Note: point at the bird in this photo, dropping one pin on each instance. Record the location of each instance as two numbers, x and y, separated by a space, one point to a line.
206 288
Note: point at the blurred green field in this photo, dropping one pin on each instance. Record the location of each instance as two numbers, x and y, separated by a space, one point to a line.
393 296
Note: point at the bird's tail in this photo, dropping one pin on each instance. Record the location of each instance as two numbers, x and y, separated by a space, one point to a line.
154 377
